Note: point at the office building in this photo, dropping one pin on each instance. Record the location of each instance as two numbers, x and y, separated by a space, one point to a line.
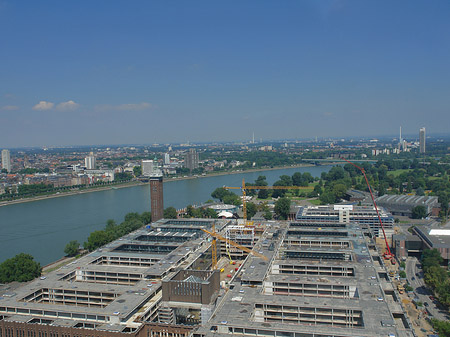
89 161
6 160
361 215
166 159
191 160
147 168
422 140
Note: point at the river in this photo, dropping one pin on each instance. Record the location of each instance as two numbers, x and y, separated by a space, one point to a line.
43 228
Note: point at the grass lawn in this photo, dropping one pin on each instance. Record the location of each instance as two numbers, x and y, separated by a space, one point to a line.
396 173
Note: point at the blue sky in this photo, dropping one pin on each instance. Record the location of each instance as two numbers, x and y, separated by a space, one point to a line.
114 72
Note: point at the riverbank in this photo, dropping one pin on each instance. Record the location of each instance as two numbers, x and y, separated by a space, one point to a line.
137 183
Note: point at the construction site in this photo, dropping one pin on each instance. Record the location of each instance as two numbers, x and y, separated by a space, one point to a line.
203 277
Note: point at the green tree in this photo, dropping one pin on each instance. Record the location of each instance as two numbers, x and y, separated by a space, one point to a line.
297 179
263 193
420 191
146 217
232 199
442 327
282 208
435 276
96 239
170 213
137 171
210 213
431 257
220 193
267 215
419 212
122 176
72 248
21 268
251 210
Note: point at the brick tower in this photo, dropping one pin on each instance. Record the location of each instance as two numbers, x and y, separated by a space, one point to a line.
156 197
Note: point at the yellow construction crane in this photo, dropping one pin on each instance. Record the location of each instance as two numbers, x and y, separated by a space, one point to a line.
216 235
243 188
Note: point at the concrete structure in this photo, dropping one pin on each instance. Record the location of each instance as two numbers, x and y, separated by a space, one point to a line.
191 159
6 160
365 216
422 140
89 161
406 245
147 168
316 283
403 204
189 296
115 291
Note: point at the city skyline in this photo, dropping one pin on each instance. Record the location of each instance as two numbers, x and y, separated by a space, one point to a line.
167 73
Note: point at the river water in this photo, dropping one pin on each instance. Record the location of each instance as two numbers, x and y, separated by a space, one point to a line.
43 228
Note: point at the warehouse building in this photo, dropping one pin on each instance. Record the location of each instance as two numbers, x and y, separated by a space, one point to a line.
403 204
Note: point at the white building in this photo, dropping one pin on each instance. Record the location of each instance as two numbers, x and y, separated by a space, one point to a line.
6 160
147 167
89 161
422 140
166 159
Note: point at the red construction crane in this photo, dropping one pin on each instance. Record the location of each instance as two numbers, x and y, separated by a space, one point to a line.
387 255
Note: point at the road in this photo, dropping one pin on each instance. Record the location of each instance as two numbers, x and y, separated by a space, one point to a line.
415 278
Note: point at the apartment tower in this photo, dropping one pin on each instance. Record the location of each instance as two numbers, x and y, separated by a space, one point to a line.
422 137
191 159
6 160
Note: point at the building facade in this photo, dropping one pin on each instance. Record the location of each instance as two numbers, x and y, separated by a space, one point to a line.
191 159
156 197
422 140
89 161
147 168
6 160
166 159
360 215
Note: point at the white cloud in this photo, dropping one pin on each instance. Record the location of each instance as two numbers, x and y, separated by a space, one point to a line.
66 106
9 108
43 105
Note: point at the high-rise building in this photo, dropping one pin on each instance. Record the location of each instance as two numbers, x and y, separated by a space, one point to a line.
89 161
422 137
166 159
147 168
6 160
156 194
191 159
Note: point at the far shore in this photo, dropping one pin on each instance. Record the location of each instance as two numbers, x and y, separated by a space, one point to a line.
137 183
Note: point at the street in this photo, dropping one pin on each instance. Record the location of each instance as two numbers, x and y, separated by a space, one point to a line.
415 279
